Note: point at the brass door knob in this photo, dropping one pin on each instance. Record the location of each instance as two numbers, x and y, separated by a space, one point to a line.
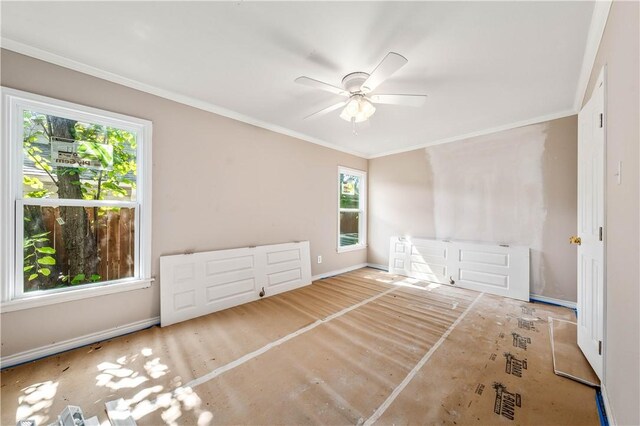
575 240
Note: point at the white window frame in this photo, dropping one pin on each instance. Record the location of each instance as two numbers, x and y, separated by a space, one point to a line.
362 209
11 203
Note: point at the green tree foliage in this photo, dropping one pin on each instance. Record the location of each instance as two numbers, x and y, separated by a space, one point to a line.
96 184
349 191
37 256
114 149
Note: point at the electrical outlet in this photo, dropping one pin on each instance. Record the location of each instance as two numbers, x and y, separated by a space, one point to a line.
319 259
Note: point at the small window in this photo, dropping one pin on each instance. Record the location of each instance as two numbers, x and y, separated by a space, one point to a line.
352 214
81 191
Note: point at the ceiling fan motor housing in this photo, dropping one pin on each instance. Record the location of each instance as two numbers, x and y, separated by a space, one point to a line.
353 82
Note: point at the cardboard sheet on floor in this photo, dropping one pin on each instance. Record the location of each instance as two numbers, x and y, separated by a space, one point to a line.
337 373
154 361
568 360
495 368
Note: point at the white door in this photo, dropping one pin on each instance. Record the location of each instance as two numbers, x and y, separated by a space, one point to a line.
192 285
489 268
590 238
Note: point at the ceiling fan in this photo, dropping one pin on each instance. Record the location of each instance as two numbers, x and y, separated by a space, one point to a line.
357 87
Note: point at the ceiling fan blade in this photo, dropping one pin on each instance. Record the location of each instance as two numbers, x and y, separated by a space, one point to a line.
322 86
406 100
327 110
390 64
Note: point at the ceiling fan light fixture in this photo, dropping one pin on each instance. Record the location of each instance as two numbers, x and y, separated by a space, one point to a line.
357 88
358 109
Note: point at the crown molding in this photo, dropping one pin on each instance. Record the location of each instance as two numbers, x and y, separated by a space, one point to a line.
599 18
55 59
43 55
488 131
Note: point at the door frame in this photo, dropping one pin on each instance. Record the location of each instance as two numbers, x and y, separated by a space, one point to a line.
602 81
602 77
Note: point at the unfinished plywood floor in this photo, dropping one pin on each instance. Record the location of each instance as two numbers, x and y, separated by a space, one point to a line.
362 347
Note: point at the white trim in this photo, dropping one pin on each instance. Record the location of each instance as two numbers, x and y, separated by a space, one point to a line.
56 202
532 296
599 18
540 298
7 210
392 397
509 126
338 271
62 61
144 190
607 405
62 108
602 80
376 266
76 342
52 58
14 102
353 247
362 209
69 295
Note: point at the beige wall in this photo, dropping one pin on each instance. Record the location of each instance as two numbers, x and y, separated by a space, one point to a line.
619 51
217 183
516 186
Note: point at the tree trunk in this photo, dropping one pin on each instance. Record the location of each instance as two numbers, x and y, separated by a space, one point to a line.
79 238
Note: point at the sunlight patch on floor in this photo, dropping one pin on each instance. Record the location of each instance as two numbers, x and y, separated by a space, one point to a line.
417 284
155 369
36 398
170 405
173 404
382 277
115 376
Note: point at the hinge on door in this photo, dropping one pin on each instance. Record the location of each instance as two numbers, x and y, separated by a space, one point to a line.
599 347
600 233
601 120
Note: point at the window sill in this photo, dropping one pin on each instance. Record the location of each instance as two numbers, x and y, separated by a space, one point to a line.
352 248
67 296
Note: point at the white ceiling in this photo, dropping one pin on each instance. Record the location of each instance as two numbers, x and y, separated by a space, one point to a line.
483 64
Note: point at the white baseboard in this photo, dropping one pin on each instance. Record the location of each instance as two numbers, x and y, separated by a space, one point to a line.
532 296
607 405
65 345
338 271
540 298
377 266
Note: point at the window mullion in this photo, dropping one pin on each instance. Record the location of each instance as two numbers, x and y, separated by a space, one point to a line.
55 202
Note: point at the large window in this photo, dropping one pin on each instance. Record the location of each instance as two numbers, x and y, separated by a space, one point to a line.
352 215
76 199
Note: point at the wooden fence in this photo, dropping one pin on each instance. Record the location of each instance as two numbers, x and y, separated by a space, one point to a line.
349 223
115 238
